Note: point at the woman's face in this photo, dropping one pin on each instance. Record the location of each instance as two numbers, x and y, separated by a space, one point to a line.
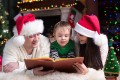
82 39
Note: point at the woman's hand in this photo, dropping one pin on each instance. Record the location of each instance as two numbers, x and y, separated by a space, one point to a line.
81 68
38 71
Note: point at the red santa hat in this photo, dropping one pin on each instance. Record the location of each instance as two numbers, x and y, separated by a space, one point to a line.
89 26
25 26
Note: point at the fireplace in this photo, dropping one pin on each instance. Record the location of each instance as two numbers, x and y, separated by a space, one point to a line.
50 17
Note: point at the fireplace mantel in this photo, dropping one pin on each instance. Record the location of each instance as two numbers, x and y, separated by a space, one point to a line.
63 12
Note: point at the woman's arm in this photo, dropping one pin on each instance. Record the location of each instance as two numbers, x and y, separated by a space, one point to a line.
104 49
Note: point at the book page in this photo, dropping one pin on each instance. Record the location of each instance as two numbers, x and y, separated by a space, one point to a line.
66 65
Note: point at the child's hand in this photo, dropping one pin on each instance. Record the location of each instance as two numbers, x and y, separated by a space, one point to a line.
38 71
81 68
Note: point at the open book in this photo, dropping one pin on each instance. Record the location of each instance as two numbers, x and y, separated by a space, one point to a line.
62 64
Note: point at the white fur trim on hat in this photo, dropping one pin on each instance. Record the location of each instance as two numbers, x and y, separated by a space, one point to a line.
19 40
28 29
98 39
33 27
84 31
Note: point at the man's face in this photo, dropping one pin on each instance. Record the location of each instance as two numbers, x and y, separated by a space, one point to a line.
32 40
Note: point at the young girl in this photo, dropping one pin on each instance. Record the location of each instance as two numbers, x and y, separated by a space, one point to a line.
63 46
92 45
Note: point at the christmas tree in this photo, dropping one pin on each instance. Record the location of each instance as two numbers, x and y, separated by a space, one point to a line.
112 65
4 24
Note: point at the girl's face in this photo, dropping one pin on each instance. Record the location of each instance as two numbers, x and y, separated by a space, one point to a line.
32 41
62 36
82 39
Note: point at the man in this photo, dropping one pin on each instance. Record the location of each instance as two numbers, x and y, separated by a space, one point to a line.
27 42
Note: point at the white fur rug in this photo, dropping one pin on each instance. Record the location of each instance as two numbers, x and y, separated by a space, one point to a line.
52 76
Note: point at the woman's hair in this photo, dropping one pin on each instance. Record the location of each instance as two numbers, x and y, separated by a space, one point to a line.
61 24
91 54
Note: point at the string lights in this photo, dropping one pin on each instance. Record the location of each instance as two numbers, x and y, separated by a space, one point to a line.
34 5
111 22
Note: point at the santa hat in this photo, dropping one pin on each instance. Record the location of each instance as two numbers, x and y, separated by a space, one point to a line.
89 26
25 26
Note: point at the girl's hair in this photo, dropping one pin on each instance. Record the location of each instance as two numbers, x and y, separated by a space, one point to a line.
61 24
91 54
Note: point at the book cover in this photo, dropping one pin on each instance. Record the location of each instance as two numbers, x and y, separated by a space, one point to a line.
62 64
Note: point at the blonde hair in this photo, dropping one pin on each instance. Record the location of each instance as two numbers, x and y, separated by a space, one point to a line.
61 24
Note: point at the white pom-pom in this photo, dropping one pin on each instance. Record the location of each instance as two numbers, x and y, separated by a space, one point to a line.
19 40
100 39
16 17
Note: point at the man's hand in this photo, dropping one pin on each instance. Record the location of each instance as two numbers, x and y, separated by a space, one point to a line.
81 68
10 67
38 71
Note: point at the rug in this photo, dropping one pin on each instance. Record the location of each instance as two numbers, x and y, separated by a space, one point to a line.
52 76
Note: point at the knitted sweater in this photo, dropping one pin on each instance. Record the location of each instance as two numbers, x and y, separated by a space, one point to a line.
12 53
62 52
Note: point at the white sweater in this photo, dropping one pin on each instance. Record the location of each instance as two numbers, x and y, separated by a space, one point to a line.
11 53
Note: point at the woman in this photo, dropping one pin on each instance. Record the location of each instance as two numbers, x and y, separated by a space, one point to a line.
92 45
